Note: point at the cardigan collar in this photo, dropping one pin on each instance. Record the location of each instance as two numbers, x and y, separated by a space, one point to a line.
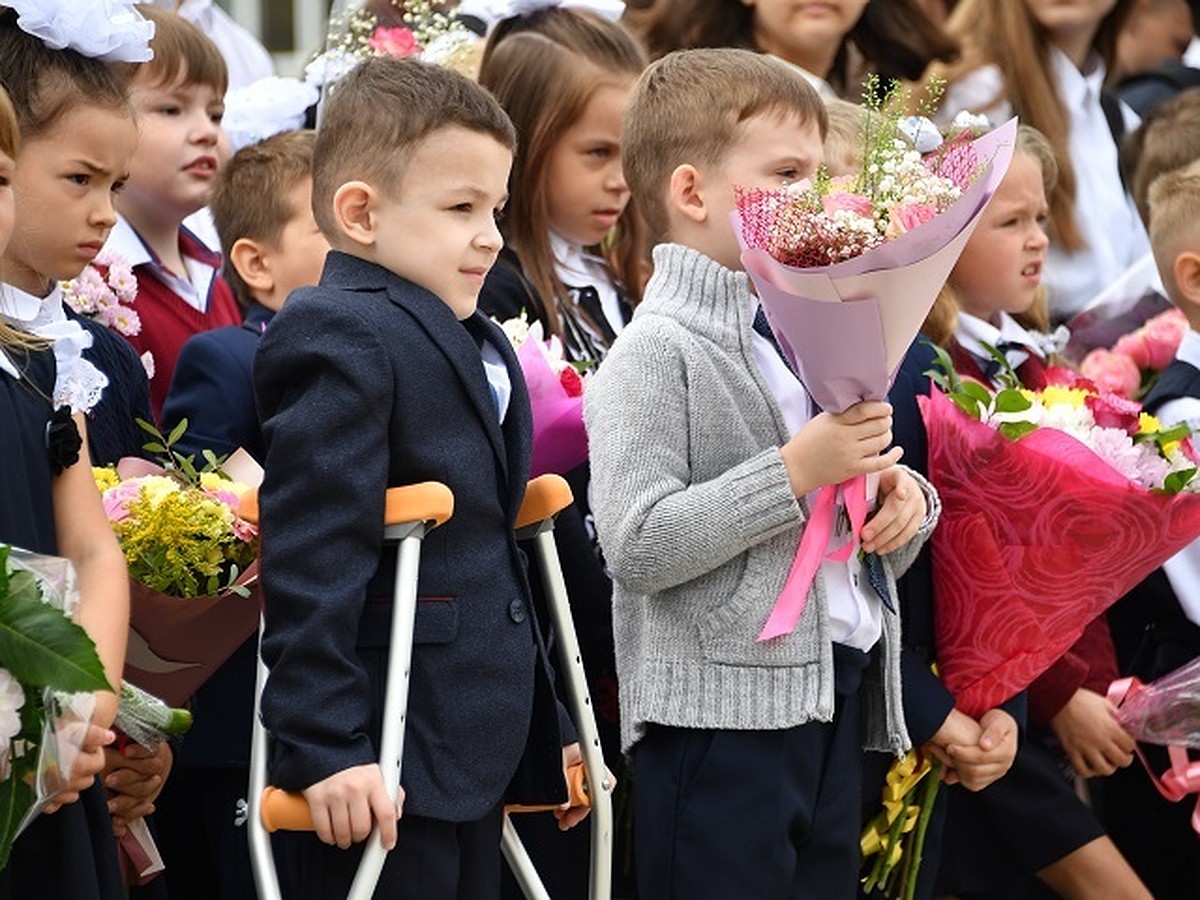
709 299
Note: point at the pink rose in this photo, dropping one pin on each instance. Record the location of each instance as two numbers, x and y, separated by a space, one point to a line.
1112 371
116 500
1114 411
904 218
1163 335
393 42
849 201
1061 376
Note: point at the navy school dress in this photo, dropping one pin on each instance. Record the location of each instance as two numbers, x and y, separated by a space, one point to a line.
70 855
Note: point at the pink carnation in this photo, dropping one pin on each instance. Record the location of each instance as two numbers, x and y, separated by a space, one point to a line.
855 203
1115 411
904 218
116 500
1112 371
394 42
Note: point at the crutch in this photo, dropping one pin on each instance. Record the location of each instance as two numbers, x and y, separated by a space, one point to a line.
411 512
545 498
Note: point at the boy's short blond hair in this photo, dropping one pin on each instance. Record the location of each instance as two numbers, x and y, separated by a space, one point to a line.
181 52
844 138
686 109
377 115
1175 222
266 172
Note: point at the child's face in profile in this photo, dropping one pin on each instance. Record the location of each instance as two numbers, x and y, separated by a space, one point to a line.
180 148
773 150
63 191
1001 266
297 259
437 226
799 32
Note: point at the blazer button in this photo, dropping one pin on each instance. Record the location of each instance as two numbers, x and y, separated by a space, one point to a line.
516 611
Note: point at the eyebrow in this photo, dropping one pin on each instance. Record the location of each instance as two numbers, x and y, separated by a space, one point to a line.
477 192
98 169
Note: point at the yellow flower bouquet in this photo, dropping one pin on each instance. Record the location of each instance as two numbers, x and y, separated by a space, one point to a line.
191 566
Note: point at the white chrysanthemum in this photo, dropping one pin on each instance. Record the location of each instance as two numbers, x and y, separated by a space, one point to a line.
1139 462
12 698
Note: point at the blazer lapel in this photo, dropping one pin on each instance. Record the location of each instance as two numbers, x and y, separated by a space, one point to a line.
457 344
518 423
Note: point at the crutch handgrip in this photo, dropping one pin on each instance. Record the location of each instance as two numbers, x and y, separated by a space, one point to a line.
285 811
577 792
545 497
429 501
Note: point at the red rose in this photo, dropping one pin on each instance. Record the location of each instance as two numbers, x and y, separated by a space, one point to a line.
571 382
1114 411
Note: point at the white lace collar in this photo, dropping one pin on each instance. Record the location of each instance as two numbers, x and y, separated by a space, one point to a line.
78 383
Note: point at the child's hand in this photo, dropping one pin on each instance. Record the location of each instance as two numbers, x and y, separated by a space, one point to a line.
960 729
134 778
346 805
88 764
978 765
1088 730
900 515
831 449
569 816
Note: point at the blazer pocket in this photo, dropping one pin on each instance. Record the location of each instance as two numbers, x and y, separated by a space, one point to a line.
436 620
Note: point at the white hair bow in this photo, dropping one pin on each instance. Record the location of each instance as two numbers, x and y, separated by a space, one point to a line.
493 11
108 30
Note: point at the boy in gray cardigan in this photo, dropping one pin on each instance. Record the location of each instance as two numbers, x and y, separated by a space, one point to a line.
704 446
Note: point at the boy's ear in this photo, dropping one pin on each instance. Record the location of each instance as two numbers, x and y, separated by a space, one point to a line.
249 258
685 193
354 212
1187 277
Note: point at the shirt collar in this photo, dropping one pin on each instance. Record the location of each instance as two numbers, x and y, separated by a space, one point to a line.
126 242
972 333
1189 349
27 311
1077 87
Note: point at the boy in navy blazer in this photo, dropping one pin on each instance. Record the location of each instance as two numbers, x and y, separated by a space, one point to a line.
386 375
271 247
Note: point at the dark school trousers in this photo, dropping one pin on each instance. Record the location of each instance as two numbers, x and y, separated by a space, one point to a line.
753 815
432 860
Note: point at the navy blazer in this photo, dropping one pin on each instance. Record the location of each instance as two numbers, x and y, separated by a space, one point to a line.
213 388
363 383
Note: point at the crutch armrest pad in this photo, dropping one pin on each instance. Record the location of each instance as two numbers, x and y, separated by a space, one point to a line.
577 791
429 501
546 496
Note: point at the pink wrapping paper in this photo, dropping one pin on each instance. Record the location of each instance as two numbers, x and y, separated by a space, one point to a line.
1037 537
847 326
559 438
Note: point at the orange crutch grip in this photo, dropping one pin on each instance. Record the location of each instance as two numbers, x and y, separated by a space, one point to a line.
429 501
545 496
577 791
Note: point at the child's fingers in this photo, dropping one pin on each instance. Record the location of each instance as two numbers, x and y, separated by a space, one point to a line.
386 813
132 782
871 464
867 409
571 816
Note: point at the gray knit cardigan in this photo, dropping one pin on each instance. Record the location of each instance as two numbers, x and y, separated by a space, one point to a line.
699 524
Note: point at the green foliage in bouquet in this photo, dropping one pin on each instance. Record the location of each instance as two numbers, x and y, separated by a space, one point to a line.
42 653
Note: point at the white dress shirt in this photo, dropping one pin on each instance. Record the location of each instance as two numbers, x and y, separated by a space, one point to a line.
193 290
1183 569
1114 236
578 269
972 333
855 611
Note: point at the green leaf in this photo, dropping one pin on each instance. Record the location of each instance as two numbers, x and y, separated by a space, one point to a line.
1177 481
154 447
149 428
1011 400
1016 430
41 646
15 799
976 392
966 404
177 432
1007 377
945 365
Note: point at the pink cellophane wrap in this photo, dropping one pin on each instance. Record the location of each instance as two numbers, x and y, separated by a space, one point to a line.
847 326
559 437
1166 711
1037 537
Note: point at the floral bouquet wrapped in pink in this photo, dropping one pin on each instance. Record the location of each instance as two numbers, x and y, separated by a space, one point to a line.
555 396
1136 360
847 270
1167 712
1054 504
193 586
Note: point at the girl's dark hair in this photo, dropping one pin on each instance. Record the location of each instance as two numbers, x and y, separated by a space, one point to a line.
544 68
896 38
44 83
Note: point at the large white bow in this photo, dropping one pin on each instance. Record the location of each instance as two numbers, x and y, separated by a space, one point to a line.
108 30
493 11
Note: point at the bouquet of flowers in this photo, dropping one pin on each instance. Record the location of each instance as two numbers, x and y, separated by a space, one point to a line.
189 555
106 291
1136 360
49 673
1166 711
1054 504
847 270
555 396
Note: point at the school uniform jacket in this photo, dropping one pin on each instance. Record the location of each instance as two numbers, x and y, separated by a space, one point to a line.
363 383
